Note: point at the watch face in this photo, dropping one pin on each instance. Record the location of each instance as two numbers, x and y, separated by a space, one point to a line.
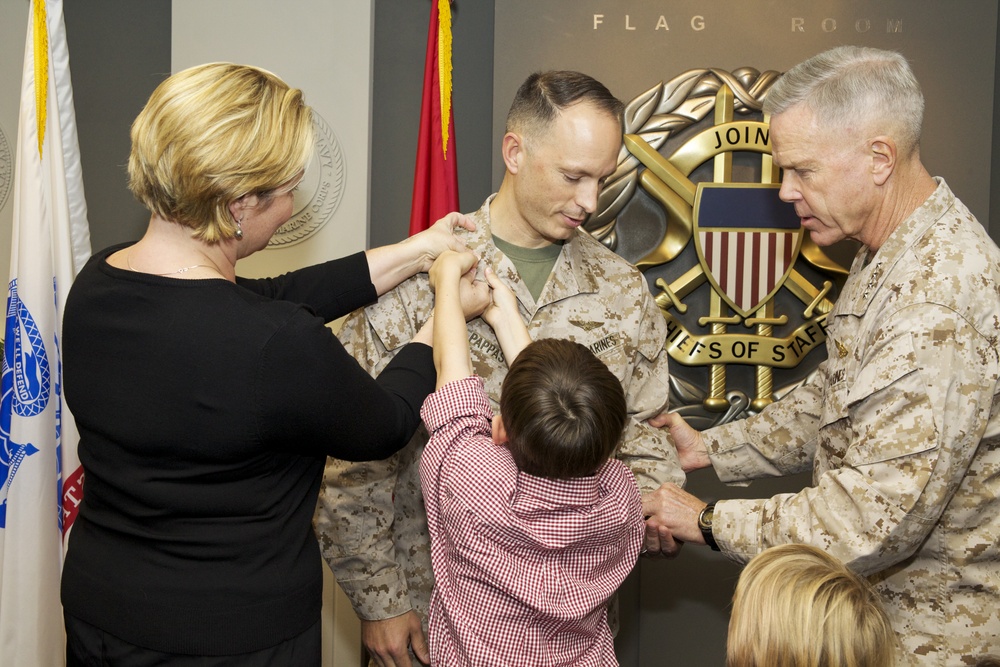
705 518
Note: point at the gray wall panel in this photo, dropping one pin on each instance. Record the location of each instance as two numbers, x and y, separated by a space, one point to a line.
400 46
119 52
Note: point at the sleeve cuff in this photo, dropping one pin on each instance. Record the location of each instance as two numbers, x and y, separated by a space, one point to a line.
736 529
379 597
726 451
463 397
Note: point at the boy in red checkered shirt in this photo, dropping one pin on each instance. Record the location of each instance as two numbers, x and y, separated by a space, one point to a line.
533 523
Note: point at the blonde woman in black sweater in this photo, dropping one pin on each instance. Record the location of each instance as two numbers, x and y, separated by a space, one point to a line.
207 404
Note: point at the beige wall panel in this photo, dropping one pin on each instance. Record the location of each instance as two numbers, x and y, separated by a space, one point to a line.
13 28
324 48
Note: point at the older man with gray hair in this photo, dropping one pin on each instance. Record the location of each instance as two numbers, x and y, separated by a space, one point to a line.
901 424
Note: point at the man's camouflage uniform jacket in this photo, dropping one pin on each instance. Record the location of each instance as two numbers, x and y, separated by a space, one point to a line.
371 521
901 427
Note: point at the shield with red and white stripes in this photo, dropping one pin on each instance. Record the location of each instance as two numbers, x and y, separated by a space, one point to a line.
747 241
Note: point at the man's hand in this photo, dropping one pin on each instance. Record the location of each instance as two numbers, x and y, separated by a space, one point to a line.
671 516
387 641
658 541
691 449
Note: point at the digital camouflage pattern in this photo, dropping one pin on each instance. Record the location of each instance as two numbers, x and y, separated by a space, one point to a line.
371 521
901 427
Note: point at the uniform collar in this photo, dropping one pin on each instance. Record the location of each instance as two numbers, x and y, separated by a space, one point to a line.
572 274
869 271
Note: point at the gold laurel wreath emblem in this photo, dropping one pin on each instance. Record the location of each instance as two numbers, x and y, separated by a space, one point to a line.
651 120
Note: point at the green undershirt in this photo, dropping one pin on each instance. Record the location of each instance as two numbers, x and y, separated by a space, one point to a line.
533 264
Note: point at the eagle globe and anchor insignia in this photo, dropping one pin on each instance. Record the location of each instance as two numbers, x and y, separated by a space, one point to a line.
694 205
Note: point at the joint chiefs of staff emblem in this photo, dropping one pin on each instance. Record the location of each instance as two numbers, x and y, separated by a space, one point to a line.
694 205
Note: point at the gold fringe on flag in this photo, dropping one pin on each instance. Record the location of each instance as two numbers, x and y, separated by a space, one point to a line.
444 68
42 70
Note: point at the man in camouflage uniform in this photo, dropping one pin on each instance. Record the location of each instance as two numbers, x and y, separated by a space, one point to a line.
901 423
563 138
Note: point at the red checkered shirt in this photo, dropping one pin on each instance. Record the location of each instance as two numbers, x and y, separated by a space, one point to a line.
523 565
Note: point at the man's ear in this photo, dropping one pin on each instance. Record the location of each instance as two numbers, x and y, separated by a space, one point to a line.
512 151
883 155
499 431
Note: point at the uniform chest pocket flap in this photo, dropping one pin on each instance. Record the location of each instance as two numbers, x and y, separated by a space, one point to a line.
890 411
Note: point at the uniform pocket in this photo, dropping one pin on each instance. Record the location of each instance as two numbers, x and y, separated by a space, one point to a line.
835 404
890 410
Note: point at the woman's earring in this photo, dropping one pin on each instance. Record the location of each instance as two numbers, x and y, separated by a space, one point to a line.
239 229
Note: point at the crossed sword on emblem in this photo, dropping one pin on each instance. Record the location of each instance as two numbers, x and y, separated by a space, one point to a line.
676 192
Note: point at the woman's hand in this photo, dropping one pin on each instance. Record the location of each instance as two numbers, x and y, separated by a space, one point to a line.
392 264
440 237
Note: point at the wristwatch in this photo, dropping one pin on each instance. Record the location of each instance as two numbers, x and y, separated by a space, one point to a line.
705 524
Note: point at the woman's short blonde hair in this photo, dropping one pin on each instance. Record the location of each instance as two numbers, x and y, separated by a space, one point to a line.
212 134
797 606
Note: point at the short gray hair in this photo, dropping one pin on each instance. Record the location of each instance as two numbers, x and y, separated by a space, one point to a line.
873 86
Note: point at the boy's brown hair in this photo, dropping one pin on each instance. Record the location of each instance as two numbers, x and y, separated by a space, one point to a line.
563 410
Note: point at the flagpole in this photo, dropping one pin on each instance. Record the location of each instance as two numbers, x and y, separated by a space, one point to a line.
49 243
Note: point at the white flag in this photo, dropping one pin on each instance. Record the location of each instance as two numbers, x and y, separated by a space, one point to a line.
40 474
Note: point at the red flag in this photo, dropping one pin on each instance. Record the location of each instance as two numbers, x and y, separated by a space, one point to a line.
435 180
